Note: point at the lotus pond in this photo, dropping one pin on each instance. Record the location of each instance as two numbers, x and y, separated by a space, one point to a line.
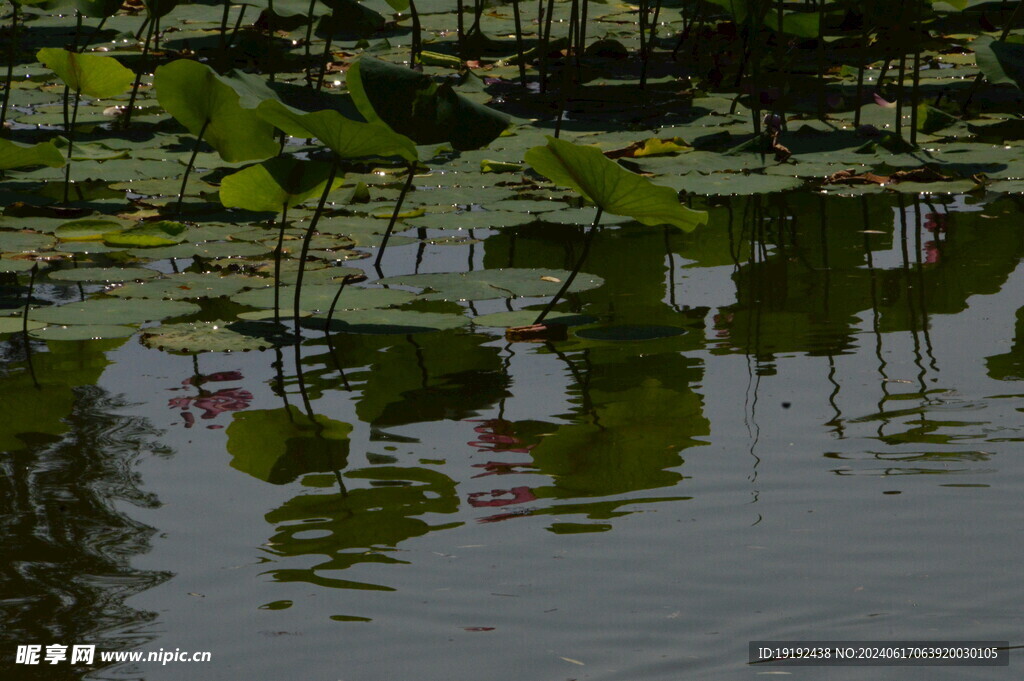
273 384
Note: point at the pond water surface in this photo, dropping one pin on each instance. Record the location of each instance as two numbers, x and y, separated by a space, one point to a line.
801 422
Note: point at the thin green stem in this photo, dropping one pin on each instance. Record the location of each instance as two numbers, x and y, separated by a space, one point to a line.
394 215
305 246
138 77
188 168
277 263
579 263
12 53
71 144
28 300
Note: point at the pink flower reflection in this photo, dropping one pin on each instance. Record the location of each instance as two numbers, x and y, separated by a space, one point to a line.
498 435
932 254
502 497
211 404
501 468
936 222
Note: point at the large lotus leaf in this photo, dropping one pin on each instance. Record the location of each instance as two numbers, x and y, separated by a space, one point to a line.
349 17
800 24
159 8
273 184
82 332
1000 61
526 318
414 105
215 336
345 137
104 274
87 229
91 74
98 9
149 234
14 155
318 297
392 321
196 95
190 286
610 186
498 283
112 311
279 445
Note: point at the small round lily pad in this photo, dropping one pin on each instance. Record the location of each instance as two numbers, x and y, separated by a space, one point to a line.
527 317
319 297
630 332
389 321
113 311
190 286
14 324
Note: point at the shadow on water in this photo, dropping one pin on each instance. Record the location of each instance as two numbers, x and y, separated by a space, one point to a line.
67 453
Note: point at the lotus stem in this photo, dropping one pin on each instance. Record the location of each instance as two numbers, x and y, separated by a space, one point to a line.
416 45
305 245
334 303
323 62
138 76
270 40
860 75
224 25
188 168
28 300
92 36
545 40
394 215
12 53
519 42
579 263
899 96
71 144
914 90
309 40
981 76
277 263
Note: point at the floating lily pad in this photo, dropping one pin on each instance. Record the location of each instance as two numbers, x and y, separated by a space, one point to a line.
319 297
80 332
474 219
24 242
14 324
162 233
733 184
630 332
112 311
205 249
487 284
8 266
190 285
104 274
390 321
526 318
89 229
217 336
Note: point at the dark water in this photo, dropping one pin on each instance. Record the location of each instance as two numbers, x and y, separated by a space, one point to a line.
799 423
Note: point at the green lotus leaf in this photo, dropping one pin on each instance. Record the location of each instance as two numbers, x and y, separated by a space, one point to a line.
611 187
81 332
735 184
279 445
348 17
391 321
345 137
104 274
14 155
25 242
8 266
197 96
15 325
318 297
215 336
488 284
205 249
475 219
159 8
112 311
161 233
98 9
527 317
190 286
270 185
1001 62
412 104
93 75
88 229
